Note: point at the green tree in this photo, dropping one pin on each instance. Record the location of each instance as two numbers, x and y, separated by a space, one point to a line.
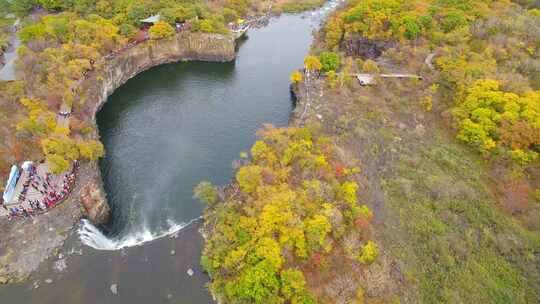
330 61
452 21
258 284
249 178
22 7
490 117
293 287
91 149
5 7
161 30
178 13
127 30
206 193
62 146
333 32
57 163
317 228
412 27
52 4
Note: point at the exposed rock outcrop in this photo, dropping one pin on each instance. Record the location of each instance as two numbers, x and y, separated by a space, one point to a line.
357 45
95 203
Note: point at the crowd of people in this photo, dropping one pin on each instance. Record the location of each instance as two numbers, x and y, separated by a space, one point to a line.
40 193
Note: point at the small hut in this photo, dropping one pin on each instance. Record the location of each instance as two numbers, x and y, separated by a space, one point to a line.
148 22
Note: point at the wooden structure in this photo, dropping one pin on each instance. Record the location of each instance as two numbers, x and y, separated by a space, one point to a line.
369 79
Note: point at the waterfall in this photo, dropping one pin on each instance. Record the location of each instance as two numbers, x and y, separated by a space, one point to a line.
91 236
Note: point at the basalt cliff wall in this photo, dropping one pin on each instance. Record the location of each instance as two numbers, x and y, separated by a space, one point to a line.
25 244
183 47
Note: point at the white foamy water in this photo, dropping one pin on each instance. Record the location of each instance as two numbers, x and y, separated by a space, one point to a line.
91 236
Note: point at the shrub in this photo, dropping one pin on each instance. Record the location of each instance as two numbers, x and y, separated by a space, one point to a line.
452 21
230 15
312 63
240 6
347 192
296 77
370 66
515 198
332 79
368 253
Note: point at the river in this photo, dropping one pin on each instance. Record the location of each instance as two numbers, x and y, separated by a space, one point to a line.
164 131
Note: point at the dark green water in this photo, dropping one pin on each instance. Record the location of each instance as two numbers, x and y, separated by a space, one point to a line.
164 131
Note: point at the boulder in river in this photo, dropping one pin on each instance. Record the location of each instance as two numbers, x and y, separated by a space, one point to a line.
114 289
60 265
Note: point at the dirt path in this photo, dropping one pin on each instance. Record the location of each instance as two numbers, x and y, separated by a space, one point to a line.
7 72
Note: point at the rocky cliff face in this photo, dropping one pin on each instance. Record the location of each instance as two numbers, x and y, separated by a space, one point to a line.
25 244
183 47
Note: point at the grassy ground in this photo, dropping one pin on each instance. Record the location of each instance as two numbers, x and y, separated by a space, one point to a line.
444 237
6 21
463 248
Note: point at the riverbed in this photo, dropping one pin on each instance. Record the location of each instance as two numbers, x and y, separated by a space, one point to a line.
164 131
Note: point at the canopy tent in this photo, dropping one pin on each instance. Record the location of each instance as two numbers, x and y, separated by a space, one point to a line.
27 165
11 183
151 19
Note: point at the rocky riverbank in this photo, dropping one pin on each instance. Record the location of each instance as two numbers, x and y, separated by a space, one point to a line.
24 244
